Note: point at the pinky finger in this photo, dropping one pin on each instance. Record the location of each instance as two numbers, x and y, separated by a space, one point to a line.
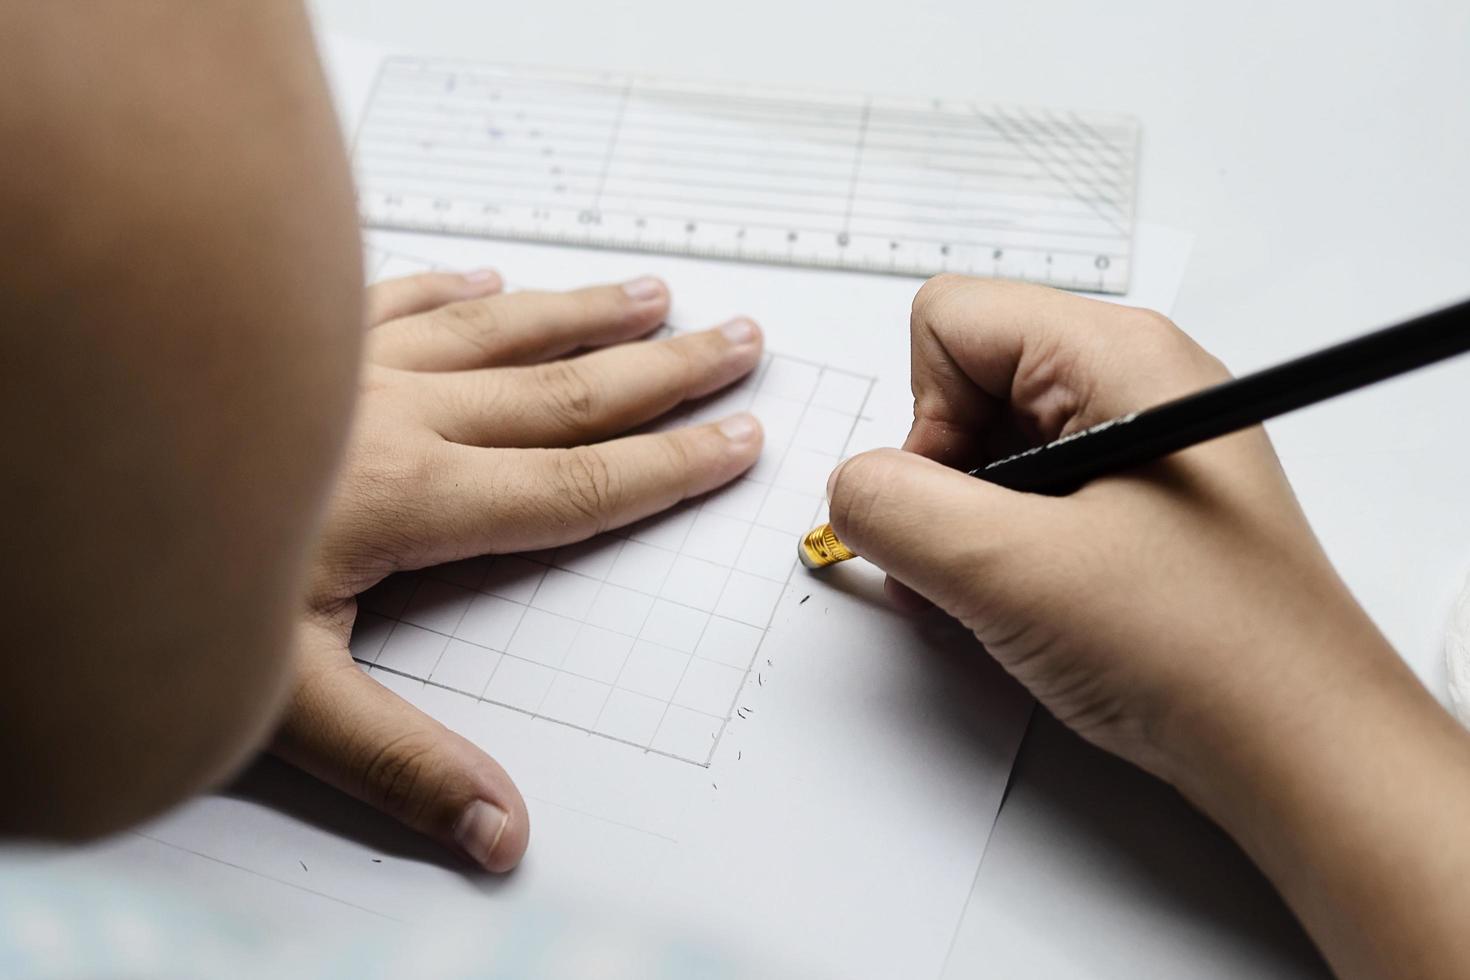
393 299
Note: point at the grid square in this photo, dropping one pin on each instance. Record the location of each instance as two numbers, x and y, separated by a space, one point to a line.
465 667
709 687
543 637
790 379
791 511
728 642
779 417
437 606
574 700
749 599
805 470
653 670
468 573
411 650
666 530
368 635
695 582
519 684
513 577
593 558
767 465
631 717
640 566
767 553
824 429
566 593
687 734
619 609
713 535
674 626
741 500
841 391
598 653
490 621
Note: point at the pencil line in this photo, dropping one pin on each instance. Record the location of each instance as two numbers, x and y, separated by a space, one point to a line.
268 877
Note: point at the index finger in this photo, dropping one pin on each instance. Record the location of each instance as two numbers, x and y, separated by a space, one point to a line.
1047 360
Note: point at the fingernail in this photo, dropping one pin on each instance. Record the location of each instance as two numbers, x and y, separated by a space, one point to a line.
644 290
740 331
740 428
478 830
481 276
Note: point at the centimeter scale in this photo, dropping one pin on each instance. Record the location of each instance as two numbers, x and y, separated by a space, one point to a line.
905 186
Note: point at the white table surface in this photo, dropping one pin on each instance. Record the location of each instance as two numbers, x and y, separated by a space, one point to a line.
1321 154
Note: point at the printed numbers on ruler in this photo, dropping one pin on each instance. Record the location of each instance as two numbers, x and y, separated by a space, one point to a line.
645 635
884 185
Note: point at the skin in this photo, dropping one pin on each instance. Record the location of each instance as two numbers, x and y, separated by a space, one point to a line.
182 306
198 607
1182 616
195 515
475 434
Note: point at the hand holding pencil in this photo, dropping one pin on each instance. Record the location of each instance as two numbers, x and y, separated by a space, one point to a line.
1180 614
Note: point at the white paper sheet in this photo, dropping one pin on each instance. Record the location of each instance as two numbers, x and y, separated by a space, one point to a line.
839 820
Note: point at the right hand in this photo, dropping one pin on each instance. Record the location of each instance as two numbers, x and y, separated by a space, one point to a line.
1181 615
1150 611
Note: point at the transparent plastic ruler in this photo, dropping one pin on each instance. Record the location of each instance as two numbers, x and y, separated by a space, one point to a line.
907 186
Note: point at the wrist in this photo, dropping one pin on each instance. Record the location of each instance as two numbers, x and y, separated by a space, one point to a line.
1281 714
1351 793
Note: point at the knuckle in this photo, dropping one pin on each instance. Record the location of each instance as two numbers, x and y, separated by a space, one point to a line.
476 322
680 457
589 489
686 360
1163 334
934 292
1152 323
571 396
399 777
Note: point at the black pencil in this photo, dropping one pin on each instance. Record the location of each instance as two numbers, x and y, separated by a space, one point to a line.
1060 467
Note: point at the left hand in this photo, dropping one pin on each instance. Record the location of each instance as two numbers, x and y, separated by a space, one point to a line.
477 433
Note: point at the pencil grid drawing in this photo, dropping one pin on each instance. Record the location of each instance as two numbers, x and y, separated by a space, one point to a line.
646 634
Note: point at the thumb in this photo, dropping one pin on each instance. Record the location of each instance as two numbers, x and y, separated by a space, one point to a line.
348 730
941 532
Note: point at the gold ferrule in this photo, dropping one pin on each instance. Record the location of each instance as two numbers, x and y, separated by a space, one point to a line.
821 548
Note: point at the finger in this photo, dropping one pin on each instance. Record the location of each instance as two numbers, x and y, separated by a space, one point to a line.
936 529
591 397
519 328
395 298
1047 360
503 500
351 732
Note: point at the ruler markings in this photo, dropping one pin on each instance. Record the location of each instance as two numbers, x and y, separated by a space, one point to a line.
784 208
826 181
